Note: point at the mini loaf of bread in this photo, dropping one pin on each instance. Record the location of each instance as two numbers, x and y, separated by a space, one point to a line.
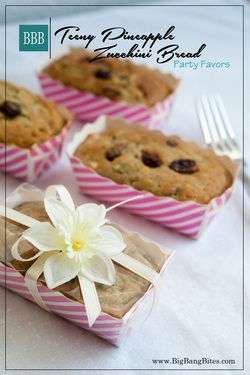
115 300
27 119
150 161
116 79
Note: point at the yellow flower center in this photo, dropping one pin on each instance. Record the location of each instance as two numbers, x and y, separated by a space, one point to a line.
77 245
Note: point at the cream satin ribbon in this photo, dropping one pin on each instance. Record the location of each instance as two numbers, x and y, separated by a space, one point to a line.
88 289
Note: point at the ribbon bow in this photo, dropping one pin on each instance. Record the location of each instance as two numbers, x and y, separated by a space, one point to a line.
79 243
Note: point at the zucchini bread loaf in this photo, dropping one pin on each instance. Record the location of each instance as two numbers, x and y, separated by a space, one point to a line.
150 161
116 79
116 299
26 118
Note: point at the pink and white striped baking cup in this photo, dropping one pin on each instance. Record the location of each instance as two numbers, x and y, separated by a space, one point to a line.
187 217
114 330
87 106
29 164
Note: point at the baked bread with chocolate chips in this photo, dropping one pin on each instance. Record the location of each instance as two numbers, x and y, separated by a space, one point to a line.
116 79
150 161
27 119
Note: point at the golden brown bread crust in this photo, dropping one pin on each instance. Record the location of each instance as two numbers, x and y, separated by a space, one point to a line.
28 118
119 80
150 161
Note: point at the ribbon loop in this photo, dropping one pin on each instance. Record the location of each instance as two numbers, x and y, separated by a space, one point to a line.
16 255
52 191
31 277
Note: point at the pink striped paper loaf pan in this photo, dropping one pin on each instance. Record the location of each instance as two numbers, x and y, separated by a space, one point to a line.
185 216
127 309
32 131
29 164
87 106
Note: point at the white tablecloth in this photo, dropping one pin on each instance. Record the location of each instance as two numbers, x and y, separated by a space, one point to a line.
200 309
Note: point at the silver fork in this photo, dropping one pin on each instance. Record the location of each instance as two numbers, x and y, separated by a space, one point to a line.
218 132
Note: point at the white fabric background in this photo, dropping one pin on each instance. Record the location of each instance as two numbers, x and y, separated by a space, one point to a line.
200 310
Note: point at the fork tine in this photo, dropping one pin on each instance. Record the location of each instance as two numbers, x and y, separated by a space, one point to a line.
216 127
219 122
208 125
218 132
203 123
224 116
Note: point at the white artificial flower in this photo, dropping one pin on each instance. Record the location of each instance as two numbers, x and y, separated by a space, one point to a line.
84 242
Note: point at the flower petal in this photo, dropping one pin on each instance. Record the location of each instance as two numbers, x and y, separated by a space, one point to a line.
59 269
99 268
111 241
80 226
94 214
59 213
44 237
